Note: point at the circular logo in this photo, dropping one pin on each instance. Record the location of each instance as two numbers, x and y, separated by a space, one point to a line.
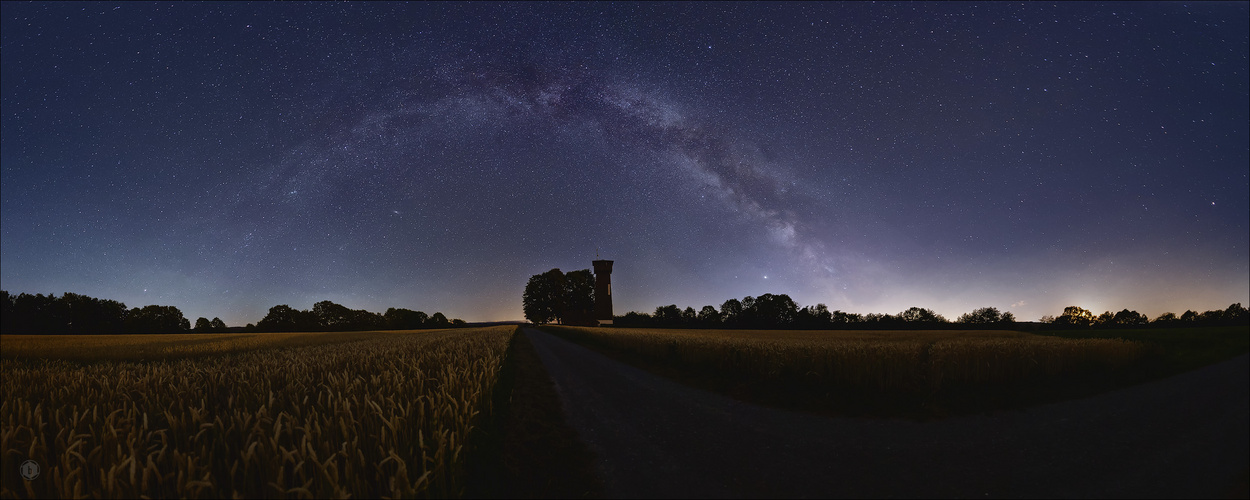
30 470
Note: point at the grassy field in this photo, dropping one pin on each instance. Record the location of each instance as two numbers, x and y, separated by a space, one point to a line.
918 374
378 414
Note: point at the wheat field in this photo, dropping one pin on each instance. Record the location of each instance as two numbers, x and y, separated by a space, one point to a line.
883 360
382 417
136 347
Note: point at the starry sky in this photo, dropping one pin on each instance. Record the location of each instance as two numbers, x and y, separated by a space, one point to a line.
224 158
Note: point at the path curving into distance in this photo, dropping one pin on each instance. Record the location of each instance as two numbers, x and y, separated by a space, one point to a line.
1185 436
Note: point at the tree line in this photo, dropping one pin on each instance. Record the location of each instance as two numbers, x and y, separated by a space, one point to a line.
72 313
769 311
326 316
1074 316
779 311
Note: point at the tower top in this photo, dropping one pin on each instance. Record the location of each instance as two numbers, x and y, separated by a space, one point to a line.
602 266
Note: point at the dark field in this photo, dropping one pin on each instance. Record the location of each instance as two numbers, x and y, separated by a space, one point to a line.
474 412
913 374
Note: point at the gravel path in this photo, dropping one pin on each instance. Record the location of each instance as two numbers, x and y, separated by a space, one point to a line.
1186 436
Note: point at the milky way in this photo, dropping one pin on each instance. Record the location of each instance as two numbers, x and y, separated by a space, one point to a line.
227 158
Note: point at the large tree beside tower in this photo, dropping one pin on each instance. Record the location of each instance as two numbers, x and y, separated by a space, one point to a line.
573 298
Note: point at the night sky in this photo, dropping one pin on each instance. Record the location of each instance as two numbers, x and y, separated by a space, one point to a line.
226 158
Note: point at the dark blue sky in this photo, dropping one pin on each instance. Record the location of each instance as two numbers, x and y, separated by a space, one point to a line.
224 158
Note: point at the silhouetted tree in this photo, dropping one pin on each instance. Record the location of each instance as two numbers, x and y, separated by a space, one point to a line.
879 319
306 321
331 316
438 320
79 311
634 319
579 298
360 319
846 318
769 311
746 317
202 325
39 314
156 319
8 317
404 319
89 315
217 325
730 310
1128 318
1236 314
281 318
982 316
667 316
1075 316
543 300
709 317
395 318
689 318
920 315
1166 318
815 317
1211 317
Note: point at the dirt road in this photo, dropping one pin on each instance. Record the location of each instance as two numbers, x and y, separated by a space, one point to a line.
1186 436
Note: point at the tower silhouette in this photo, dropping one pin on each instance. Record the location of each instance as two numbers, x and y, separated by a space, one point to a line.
603 291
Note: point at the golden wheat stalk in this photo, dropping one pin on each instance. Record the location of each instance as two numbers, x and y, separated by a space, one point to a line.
352 419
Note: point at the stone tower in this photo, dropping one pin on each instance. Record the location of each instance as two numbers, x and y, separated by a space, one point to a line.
603 291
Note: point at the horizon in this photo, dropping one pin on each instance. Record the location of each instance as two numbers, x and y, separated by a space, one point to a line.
949 317
227 158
